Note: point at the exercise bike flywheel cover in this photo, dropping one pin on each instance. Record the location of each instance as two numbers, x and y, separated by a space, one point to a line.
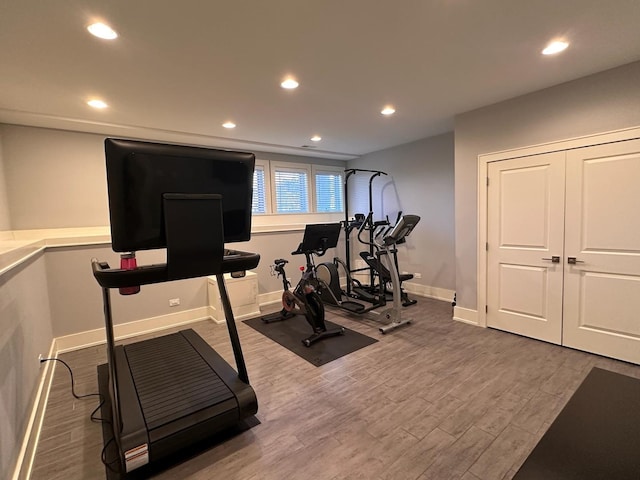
288 300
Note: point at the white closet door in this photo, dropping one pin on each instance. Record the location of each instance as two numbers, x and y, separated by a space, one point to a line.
525 209
602 289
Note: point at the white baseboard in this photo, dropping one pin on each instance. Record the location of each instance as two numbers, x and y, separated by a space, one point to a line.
429 291
26 456
270 298
238 318
89 338
465 315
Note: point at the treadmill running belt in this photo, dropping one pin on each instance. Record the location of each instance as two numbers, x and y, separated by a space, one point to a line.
172 380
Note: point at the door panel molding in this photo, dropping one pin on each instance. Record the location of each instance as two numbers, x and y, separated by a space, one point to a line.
600 282
542 148
525 227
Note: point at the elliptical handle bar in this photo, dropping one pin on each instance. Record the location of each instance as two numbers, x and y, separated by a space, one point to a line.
362 228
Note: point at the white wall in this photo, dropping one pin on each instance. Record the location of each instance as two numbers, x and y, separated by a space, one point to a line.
598 103
25 332
420 181
57 179
5 223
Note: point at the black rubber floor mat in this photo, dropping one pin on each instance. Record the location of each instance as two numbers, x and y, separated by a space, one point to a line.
290 333
595 437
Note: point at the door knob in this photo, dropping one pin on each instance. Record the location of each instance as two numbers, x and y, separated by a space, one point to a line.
573 260
554 259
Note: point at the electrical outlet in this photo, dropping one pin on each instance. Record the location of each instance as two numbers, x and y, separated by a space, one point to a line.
174 302
417 275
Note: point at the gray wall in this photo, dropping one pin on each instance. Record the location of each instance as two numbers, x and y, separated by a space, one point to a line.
56 178
598 103
76 300
5 223
25 332
420 181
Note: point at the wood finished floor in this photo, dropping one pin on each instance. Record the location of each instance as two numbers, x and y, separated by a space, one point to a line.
438 399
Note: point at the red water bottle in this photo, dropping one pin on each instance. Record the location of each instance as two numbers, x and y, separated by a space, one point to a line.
128 262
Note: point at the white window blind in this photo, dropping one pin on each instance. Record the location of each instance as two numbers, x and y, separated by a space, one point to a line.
329 192
259 200
291 189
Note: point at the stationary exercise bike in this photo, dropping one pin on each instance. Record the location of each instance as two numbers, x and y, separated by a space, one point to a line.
304 300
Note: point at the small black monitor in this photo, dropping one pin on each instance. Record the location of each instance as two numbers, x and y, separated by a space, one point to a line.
140 173
320 236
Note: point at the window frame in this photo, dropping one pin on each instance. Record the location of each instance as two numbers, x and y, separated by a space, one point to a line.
266 168
323 169
292 167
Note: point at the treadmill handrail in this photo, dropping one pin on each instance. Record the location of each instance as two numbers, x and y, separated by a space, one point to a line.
108 277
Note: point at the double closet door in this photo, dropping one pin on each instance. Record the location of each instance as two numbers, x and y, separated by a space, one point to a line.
563 248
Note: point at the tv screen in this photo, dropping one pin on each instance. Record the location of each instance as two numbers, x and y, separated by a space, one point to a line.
139 173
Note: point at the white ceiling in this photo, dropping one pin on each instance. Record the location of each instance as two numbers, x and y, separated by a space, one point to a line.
181 68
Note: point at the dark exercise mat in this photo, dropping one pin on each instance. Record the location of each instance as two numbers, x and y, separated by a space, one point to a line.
290 333
110 454
596 436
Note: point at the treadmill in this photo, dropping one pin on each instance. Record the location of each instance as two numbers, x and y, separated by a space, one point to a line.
174 391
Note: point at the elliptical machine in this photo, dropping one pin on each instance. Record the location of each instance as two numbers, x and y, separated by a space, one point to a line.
373 260
332 294
304 300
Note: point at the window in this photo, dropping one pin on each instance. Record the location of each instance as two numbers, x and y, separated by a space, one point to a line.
291 185
260 200
329 190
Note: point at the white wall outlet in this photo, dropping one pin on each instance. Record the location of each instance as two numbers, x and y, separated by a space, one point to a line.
417 275
174 302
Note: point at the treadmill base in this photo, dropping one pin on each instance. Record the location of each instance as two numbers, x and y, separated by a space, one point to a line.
111 452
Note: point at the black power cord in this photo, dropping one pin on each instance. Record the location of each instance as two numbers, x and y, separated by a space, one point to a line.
103 454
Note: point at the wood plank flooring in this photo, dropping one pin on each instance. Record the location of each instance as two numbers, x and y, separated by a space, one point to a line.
437 399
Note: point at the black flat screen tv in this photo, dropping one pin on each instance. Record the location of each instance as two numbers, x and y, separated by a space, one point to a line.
139 173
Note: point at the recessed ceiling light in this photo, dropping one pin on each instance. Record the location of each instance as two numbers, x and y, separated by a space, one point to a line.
316 138
95 103
289 84
555 47
229 125
388 110
103 31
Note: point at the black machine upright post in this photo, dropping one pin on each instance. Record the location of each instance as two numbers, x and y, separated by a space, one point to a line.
349 172
346 222
233 331
111 345
371 229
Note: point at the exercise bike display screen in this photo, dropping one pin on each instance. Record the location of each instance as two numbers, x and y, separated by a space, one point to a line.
139 173
320 236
